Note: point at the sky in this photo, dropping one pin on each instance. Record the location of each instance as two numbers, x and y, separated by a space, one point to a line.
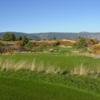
33 16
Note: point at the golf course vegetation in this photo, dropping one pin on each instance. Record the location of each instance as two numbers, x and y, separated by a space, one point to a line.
49 76
52 63
49 69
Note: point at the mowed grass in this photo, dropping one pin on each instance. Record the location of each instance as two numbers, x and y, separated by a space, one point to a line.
51 63
29 76
64 61
16 86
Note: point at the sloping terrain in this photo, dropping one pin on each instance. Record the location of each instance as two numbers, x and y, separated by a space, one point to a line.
14 88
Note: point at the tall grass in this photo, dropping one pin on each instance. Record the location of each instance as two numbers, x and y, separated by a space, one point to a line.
54 64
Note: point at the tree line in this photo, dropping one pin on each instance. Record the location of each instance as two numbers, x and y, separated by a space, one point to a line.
21 40
10 36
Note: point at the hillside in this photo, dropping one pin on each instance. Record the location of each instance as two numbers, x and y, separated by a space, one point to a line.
57 35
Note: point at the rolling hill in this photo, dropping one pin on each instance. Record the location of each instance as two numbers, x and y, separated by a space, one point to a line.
57 35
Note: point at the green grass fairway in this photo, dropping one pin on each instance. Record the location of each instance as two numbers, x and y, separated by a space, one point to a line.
16 89
37 84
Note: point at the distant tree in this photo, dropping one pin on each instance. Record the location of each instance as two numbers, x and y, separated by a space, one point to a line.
19 38
25 40
9 36
29 45
82 43
22 41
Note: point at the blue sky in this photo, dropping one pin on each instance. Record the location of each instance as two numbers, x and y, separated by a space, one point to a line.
50 15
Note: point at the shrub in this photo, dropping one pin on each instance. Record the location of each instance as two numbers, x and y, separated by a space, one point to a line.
1 44
82 43
9 36
96 48
25 40
29 45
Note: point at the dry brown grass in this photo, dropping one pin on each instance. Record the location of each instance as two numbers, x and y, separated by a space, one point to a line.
50 69
96 49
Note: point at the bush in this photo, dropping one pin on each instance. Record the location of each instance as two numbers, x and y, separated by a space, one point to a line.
22 41
25 40
82 43
29 45
9 36
96 49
